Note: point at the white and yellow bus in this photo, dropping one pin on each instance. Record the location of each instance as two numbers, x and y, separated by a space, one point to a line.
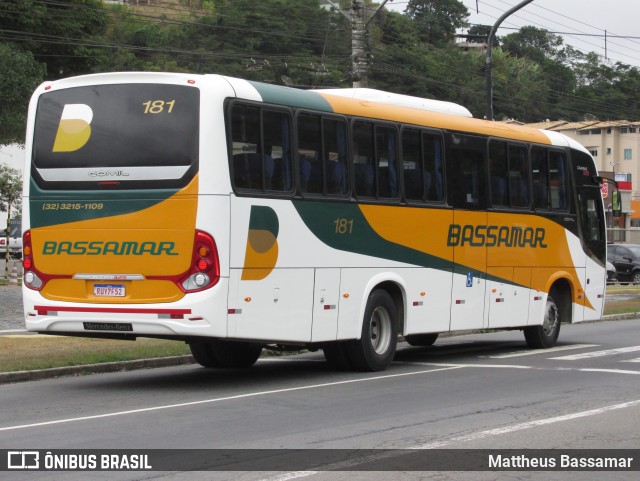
234 215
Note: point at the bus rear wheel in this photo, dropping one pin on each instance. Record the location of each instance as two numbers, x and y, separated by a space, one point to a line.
337 356
216 353
421 339
546 335
376 347
203 353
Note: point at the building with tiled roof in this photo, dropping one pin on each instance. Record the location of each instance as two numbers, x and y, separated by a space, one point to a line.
615 146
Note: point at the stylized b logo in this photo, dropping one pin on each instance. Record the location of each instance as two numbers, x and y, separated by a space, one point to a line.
74 129
262 243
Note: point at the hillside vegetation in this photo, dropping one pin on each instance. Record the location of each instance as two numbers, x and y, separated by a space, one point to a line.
297 43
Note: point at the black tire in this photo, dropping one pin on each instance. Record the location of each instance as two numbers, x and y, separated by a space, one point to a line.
202 352
635 278
336 355
215 353
236 354
376 347
421 339
546 335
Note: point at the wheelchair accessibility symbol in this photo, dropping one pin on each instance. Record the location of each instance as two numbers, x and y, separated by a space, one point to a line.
470 279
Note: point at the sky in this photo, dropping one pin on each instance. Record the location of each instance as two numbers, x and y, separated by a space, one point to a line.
617 17
571 17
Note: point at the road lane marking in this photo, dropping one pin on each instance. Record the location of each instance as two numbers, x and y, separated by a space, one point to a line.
527 425
637 359
519 366
590 355
226 398
458 439
610 371
531 352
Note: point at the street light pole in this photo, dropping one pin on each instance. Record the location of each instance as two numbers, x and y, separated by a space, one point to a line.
492 35
613 168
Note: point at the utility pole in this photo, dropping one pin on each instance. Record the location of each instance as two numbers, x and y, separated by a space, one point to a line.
7 256
492 36
360 17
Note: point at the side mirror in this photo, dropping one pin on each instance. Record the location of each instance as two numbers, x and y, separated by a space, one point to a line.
616 206
611 187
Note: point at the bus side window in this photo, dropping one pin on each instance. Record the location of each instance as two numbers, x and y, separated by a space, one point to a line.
422 165
363 170
335 156
412 171
558 178
277 151
498 173
261 146
466 171
518 176
540 178
432 167
387 162
309 153
322 155
245 137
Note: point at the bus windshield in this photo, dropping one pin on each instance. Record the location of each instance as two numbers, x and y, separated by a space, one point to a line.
127 135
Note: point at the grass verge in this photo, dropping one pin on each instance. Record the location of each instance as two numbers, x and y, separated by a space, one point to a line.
30 352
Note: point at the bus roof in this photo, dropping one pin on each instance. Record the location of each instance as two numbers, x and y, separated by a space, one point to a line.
400 100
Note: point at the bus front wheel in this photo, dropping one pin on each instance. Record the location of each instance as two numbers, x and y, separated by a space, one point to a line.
376 347
546 335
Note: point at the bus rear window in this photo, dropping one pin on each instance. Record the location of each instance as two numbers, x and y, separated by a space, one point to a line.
122 135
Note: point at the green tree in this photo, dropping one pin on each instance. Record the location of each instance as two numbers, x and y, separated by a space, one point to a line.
480 34
534 43
10 191
437 20
66 35
22 74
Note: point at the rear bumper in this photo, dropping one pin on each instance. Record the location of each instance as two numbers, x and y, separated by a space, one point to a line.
201 314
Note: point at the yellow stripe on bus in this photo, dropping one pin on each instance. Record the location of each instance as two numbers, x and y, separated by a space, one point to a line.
431 229
406 115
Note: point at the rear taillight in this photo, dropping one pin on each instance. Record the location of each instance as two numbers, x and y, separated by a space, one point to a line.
31 278
205 266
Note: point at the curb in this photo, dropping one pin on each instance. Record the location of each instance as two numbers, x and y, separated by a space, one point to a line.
621 317
21 376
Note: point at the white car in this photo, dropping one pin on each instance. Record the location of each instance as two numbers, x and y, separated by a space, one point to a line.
15 247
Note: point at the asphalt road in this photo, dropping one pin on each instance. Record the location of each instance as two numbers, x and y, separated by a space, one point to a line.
477 391
11 311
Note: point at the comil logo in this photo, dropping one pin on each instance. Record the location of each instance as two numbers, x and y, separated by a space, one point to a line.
74 129
23 460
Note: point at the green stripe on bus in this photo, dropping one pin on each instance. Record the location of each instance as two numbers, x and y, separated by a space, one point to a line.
49 208
344 227
291 97
355 234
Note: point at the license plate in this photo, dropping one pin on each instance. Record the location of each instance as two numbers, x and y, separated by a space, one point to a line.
108 290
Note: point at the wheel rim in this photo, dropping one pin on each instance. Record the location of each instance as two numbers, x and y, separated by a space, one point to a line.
551 318
636 278
380 330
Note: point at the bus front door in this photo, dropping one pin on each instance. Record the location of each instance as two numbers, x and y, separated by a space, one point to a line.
469 274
